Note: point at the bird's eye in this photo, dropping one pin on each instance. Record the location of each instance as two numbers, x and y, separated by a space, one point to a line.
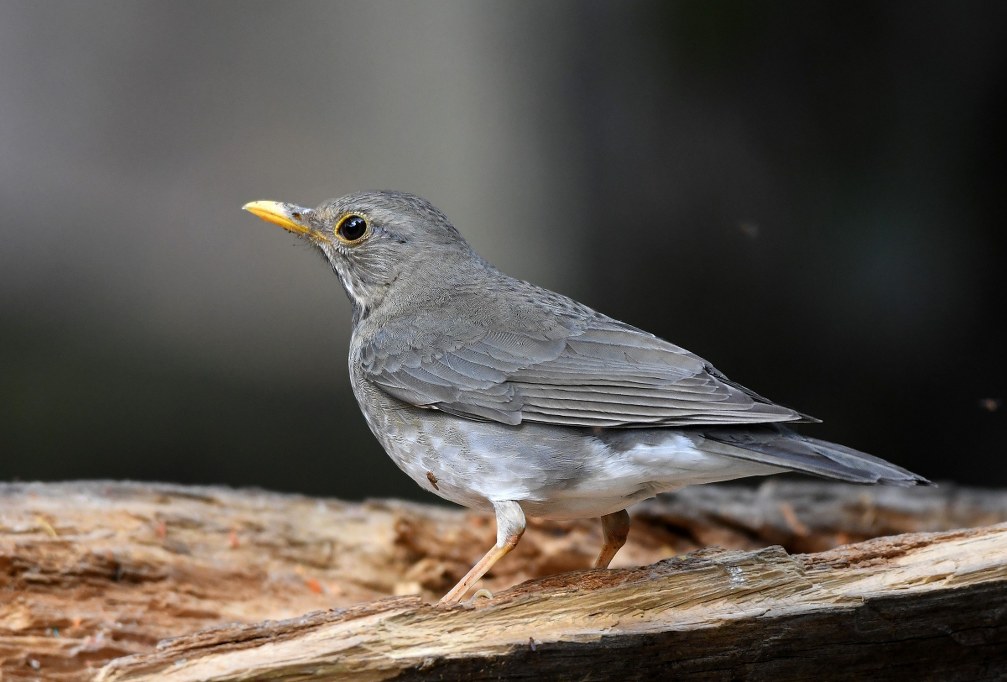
351 229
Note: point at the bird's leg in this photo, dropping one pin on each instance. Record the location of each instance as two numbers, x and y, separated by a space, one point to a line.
510 527
615 528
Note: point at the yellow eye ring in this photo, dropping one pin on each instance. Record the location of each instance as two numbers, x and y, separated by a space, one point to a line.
352 228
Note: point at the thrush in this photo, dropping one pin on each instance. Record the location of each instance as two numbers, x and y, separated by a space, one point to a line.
500 395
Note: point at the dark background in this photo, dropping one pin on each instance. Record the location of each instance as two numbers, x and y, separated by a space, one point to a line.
810 195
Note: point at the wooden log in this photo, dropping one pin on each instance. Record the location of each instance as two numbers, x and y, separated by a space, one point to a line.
93 572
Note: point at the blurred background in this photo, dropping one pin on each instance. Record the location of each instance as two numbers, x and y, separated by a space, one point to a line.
810 195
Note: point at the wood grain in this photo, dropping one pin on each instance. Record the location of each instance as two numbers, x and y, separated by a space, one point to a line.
91 573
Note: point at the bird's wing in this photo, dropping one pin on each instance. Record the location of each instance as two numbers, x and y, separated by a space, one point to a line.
593 372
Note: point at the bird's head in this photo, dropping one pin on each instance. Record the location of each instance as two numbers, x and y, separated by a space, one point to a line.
375 240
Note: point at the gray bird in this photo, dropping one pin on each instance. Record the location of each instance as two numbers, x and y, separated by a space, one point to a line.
497 394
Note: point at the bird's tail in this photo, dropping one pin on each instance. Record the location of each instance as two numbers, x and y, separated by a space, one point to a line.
780 447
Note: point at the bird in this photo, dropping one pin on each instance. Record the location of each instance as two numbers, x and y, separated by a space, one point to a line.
503 396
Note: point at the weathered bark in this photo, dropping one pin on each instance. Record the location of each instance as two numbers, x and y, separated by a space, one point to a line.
91 572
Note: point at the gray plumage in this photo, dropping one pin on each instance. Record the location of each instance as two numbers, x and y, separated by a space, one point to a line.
495 393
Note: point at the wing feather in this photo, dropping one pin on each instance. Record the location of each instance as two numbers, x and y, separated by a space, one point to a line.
579 370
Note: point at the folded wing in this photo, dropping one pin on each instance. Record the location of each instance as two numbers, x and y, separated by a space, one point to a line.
596 372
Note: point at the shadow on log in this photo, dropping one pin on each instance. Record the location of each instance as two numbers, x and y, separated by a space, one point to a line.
96 574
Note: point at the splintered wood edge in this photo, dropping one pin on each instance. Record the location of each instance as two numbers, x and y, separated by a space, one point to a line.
708 589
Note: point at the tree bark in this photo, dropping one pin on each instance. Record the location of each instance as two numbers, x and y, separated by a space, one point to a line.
96 574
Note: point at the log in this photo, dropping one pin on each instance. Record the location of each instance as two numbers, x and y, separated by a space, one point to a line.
131 581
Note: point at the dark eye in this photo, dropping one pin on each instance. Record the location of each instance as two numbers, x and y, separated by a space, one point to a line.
351 228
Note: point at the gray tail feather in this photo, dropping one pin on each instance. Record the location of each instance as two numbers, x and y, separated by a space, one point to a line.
780 447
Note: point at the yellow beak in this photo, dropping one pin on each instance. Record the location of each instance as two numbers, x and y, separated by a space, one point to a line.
287 216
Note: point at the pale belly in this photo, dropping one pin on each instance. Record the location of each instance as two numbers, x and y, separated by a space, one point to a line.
551 471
